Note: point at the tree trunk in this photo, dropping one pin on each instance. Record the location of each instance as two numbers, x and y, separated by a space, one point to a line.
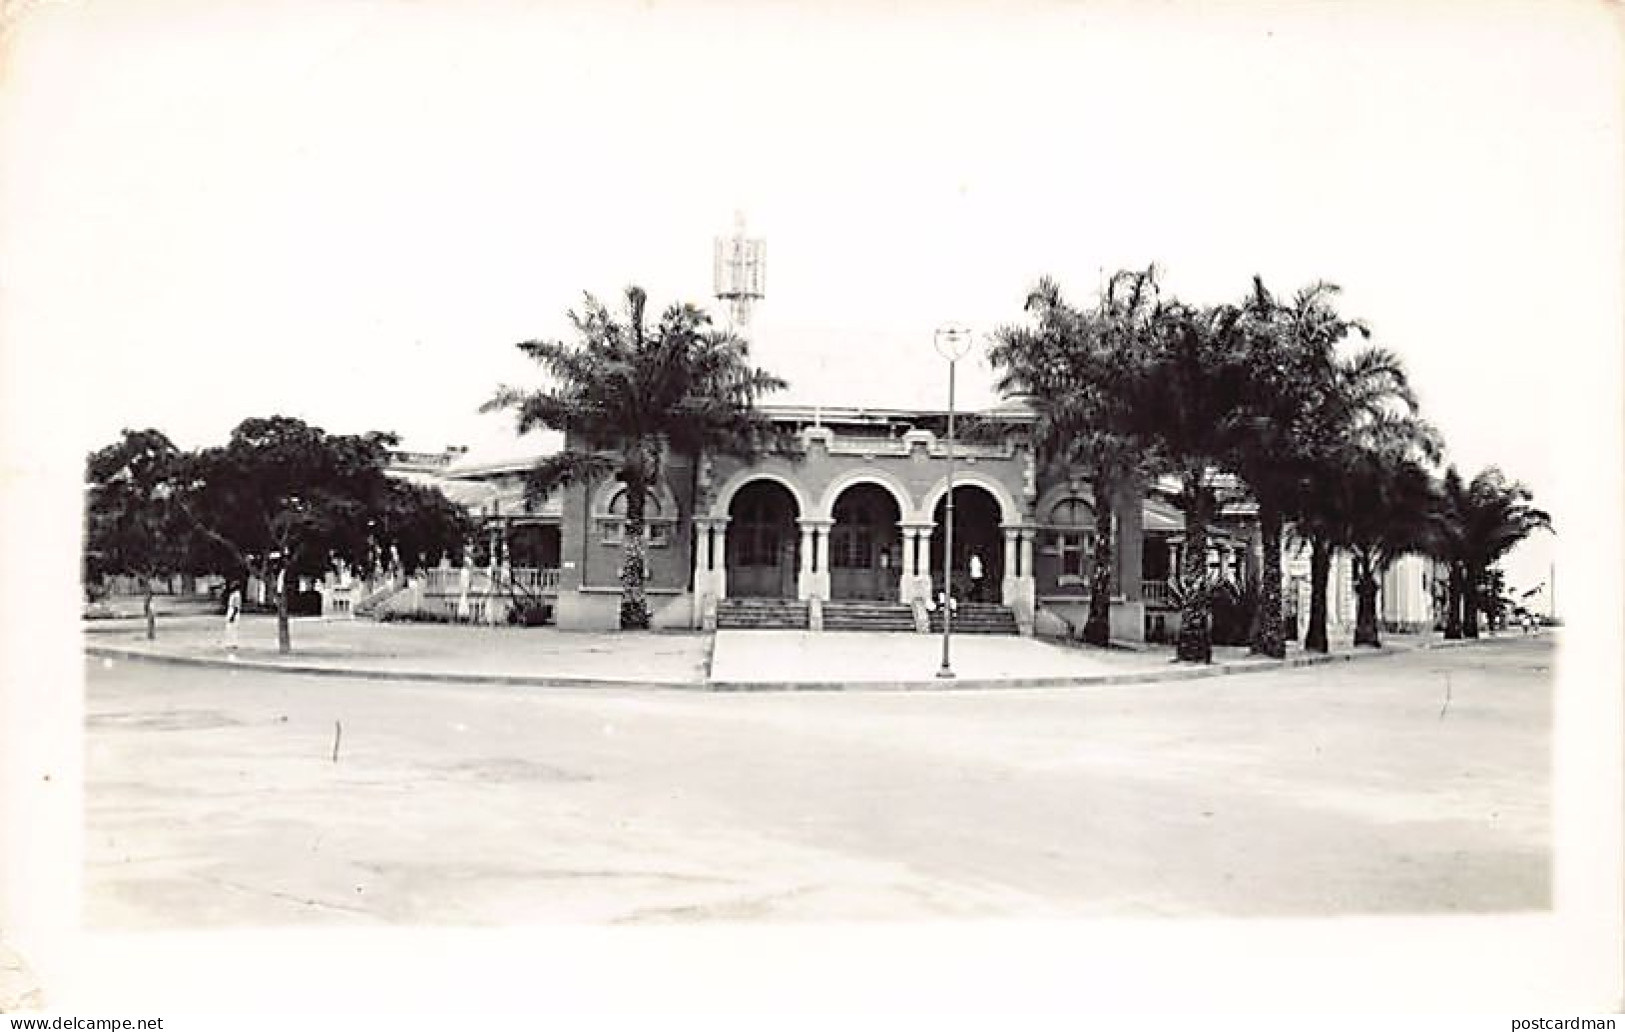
1320 572
1268 639
146 608
1195 643
1452 603
634 603
1366 631
284 639
1469 602
1098 629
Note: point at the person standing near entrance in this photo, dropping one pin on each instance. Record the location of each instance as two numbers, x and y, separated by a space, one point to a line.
976 576
234 611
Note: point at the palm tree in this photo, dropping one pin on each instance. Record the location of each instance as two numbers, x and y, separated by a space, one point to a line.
1448 540
1474 526
1290 355
1073 365
1366 407
1385 504
626 393
1186 402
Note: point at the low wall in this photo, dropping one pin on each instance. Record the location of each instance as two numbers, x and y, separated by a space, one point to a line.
601 610
1056 618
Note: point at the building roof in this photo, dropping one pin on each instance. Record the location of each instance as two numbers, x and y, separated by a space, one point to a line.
1159 517
838 414
505 453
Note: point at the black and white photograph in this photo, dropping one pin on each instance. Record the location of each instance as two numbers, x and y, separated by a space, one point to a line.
685 505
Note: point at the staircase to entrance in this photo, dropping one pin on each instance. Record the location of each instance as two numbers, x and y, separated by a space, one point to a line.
979 618
770 613
856 615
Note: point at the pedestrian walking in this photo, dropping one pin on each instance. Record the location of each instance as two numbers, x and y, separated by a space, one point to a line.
234 612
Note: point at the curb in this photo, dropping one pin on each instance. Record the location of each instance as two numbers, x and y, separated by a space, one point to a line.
432 676
1223 669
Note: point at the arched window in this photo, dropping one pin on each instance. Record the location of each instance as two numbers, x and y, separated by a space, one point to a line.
1072 530
656 525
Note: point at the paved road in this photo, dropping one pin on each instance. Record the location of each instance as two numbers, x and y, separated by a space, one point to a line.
1410 784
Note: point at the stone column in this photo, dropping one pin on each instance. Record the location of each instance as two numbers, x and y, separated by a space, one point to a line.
1007 587
702 564
1020 588
818 586
710 568
465 580
922 567
497 611
908 582
719 559
809 545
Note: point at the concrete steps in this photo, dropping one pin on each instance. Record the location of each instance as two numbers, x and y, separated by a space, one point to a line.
979 618
770 613
856 615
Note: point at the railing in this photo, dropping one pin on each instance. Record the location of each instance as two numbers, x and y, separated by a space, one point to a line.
367 594
531 579
443 581
1155 592
536 580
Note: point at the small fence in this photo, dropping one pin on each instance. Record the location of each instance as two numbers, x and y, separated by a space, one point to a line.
525 580
476 593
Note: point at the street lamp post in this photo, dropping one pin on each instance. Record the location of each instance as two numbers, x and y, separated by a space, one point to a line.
952 343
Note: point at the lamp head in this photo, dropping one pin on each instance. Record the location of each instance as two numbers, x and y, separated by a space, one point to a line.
953 341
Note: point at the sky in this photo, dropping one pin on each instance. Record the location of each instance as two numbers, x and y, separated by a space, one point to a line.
350 212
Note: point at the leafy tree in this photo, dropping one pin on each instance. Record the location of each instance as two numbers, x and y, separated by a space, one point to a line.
1074 365
625 392
134 525
283 500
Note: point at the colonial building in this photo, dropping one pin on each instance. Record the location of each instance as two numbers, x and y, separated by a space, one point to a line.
846 529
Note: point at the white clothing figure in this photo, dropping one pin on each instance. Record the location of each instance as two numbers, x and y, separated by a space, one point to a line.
976 576
234 610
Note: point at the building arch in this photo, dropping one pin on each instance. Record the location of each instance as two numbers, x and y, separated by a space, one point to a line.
609 514
1009 510
762 554
610 489
1067 490
744 478
866 475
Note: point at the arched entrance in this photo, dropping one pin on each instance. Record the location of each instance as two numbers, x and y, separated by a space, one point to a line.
976 532
764 547
865 546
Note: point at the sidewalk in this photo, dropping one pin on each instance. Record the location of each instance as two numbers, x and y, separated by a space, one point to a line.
440 652
732 660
